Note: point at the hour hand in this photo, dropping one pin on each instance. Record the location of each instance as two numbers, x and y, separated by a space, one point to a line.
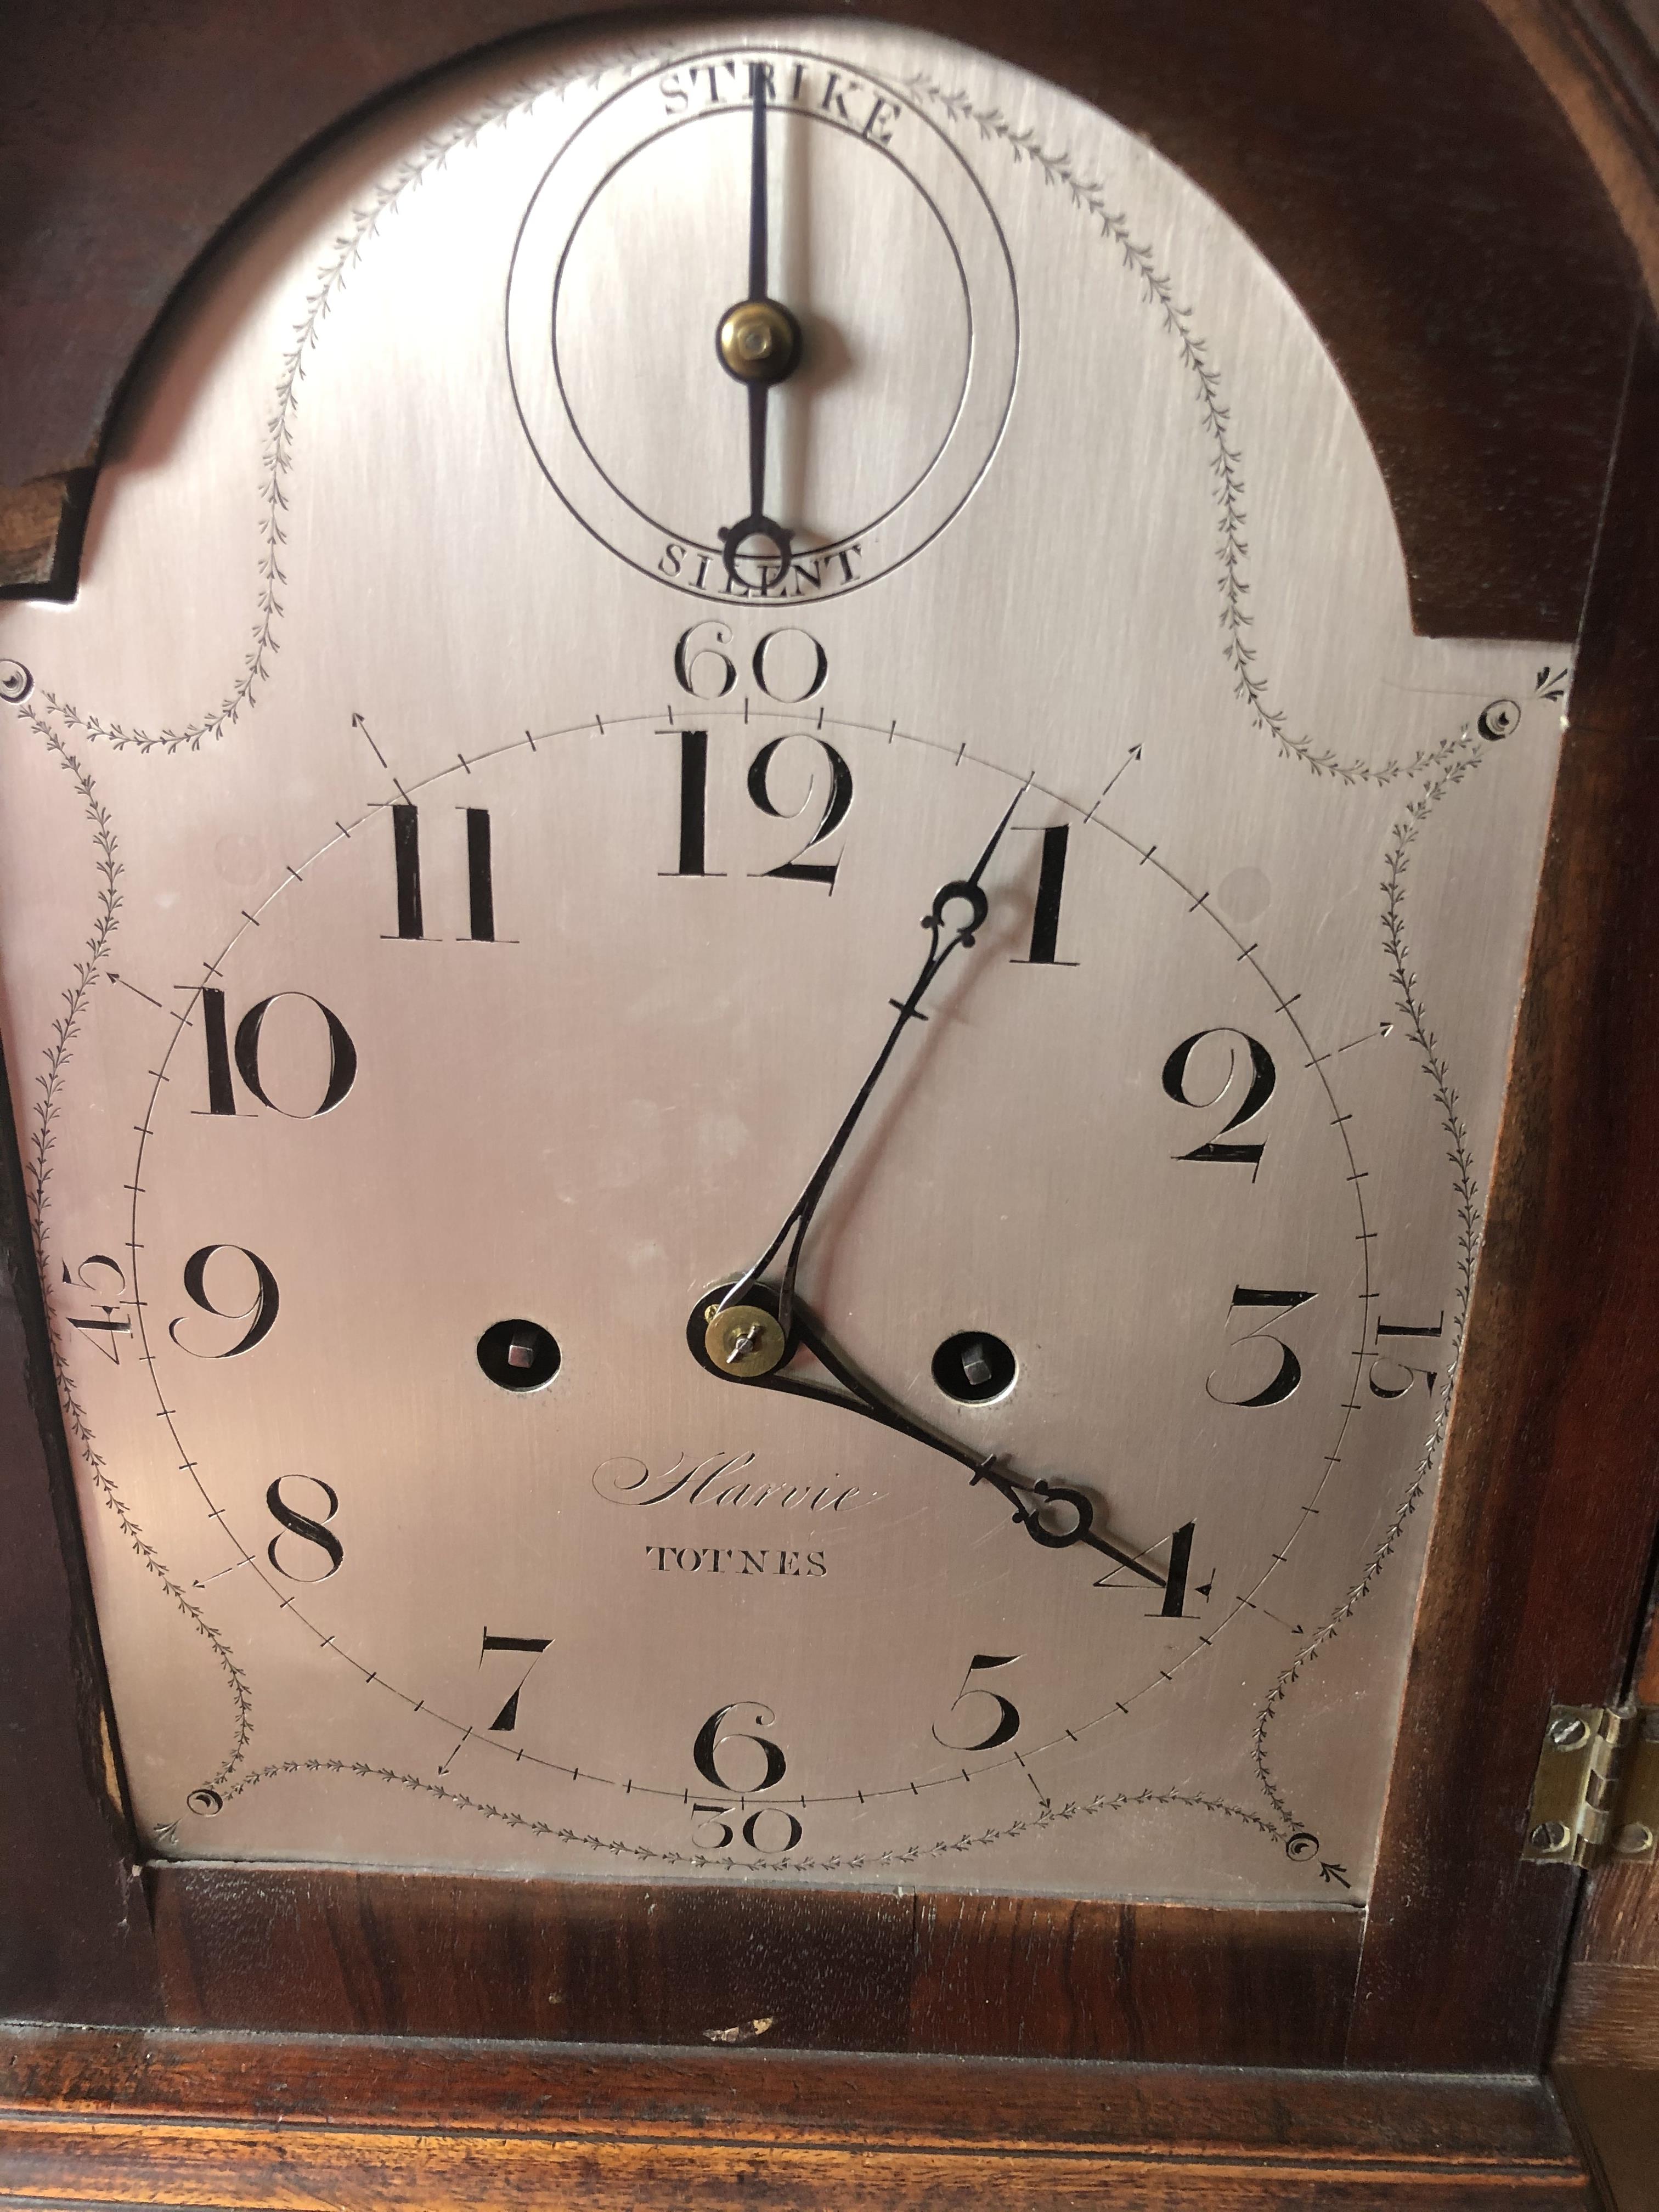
746 1343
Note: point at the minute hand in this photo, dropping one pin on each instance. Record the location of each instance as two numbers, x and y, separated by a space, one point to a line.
945 938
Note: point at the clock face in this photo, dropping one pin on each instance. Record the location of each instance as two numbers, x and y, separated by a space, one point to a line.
758 996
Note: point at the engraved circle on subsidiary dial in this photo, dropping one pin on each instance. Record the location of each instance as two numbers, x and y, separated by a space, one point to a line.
880 242
1184 1141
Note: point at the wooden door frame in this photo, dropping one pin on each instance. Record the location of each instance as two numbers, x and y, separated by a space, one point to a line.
1425 164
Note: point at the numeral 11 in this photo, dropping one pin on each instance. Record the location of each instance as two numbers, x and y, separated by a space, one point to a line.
406 855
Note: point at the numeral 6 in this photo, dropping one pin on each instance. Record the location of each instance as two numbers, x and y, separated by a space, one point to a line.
713 1738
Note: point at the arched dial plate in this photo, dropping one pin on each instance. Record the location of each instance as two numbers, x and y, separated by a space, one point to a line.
806 1215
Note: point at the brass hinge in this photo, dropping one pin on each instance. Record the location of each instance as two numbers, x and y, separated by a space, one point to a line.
1595 1794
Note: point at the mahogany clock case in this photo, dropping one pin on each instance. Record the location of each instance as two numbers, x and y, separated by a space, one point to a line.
1421 191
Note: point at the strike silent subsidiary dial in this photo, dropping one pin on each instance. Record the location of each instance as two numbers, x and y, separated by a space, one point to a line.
846 262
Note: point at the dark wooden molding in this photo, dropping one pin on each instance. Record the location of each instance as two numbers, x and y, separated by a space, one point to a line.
1550 1498
327 1951
75 1941
108 2119
1605 2062
1600 61
1410 176
41 526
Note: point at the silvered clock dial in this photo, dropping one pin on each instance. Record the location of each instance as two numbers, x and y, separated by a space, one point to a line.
758 998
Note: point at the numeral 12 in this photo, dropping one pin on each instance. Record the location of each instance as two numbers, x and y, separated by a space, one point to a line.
694 806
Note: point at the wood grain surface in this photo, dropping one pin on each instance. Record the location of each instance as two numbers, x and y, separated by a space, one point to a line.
1550 1498
332 1951
97 2119
1614 2110
1600 60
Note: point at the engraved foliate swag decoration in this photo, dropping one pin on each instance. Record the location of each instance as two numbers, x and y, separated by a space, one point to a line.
589 1337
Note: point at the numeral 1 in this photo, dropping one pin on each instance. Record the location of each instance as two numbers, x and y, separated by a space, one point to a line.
1045 919
1395 1365
221 1092
406 859
694 802
480 888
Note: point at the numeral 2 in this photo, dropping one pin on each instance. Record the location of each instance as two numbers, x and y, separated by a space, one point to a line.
801 870
1263 1076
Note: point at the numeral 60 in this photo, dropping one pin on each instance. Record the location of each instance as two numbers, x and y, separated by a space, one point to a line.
706 670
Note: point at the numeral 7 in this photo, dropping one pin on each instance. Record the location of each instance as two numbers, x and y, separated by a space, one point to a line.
507 1718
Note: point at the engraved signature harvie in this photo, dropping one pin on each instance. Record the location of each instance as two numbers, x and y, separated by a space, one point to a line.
625 1481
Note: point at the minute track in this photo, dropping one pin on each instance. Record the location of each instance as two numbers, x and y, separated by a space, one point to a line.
953 755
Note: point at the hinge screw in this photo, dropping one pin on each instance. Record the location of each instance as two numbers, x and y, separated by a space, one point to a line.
1567 1733
1635 1838
1548 1836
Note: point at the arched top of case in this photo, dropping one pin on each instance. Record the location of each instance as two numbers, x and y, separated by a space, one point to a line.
1408 174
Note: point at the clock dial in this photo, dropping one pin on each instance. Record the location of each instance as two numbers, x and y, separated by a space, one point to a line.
765 1159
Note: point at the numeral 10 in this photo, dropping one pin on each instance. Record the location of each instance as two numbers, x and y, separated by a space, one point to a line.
221 1089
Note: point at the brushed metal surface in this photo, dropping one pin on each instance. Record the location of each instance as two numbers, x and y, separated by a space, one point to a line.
418 509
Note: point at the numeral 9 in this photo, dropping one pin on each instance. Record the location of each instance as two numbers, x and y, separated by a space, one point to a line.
260 1316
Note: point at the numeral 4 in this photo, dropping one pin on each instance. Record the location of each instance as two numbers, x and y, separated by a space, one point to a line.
109 1326
1172 1581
